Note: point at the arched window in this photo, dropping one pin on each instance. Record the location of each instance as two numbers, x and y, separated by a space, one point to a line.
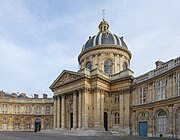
88 65
125 66
108 66
161 121
116 118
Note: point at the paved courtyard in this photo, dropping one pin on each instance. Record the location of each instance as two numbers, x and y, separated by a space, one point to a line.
55 136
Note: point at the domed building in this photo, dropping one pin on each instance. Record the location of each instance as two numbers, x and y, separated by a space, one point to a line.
97 96
104 95
105 51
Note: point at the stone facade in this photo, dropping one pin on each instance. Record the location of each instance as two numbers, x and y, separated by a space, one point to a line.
91 98
104 94
21 113
156 101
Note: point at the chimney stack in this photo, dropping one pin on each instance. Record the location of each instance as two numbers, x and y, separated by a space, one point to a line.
159 64
36 96
14 95
2 94
44 96
24 95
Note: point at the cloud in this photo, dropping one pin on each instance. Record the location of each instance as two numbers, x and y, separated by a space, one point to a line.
38 39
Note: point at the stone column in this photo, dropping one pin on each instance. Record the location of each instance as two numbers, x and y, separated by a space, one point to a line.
150 123
63 112
85 109
153 123
170 120
95 108
54 125
97 101
58 112
120 63
153 97
22 124
42 124
80 110
102 110
95 60
10 127
175 85
133 122
74 110
121 110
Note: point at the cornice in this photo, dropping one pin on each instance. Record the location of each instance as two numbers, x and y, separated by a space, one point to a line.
101 47
166 102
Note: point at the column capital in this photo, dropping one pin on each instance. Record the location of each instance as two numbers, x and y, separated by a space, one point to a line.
74 93
97 89
86 89
54 97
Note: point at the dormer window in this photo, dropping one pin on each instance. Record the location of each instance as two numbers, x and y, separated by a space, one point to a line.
108 66
89 65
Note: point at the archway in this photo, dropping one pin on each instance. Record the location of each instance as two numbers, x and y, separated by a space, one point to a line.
37 125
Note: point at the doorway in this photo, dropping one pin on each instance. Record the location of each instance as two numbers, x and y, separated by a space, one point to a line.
37 125
143 128
71 120
106 121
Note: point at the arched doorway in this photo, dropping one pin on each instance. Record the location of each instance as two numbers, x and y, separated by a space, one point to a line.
105 121
37 125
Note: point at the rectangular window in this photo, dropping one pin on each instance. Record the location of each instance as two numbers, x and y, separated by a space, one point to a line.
27 109
116 118
48 109
38 110
4 108
16 109
117 98
28 126
160 89
179 83
143 94
161 124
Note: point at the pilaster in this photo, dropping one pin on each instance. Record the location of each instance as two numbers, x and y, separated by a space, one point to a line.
85 104
170 120
55 105
63 112
74 110
58 112
80 110
102 110
121 110
97 103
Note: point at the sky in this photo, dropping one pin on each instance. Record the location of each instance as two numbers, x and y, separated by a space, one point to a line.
41 38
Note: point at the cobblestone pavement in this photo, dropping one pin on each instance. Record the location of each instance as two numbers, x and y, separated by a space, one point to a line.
55 136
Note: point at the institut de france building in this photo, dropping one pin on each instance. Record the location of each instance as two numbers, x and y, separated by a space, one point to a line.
104 95
19 112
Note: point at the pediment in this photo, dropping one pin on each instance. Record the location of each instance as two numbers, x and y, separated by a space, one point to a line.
66 77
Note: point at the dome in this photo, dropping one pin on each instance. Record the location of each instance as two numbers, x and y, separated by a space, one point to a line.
104 37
